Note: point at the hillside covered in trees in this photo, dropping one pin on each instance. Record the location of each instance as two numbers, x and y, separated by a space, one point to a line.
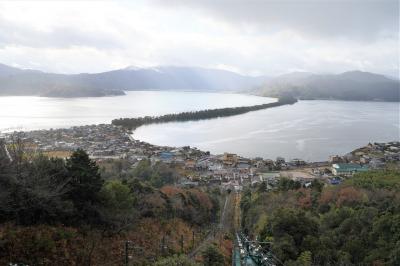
347 86
16 81
78 212
356 223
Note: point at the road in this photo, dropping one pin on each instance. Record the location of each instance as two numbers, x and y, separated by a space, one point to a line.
7 153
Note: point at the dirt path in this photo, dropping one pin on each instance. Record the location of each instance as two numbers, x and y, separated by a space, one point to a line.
237 215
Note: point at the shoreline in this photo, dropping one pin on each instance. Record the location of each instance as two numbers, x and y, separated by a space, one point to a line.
124 93
134 123
107 141
219 151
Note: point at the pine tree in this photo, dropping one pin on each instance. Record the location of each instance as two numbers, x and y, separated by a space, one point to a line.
85 182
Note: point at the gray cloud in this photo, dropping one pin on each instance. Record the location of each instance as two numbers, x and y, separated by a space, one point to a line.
248 36
13 33
353 19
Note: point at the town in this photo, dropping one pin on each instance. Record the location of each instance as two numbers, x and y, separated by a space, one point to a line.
106 142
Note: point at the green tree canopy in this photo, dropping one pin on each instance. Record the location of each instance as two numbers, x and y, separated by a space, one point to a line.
85 184
212 256
85 180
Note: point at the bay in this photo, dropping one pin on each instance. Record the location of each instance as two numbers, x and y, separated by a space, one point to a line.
30 112
310 130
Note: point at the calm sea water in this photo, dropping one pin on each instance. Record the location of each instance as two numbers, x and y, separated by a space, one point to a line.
28 113
311 130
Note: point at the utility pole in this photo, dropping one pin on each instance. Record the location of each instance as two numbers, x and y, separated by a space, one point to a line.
127 252
182 244
162 246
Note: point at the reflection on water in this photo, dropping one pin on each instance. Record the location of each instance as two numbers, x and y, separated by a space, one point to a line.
311 130
27 113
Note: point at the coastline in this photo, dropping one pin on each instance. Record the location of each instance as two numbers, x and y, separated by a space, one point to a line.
133 123
288 151
107 141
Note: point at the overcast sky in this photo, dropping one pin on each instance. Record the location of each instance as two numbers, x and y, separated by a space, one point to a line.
248 36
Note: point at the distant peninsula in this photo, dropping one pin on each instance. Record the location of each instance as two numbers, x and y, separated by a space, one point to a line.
133 123
347 86
74 93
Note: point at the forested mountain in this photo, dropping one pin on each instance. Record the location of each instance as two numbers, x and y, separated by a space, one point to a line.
14 81
352 85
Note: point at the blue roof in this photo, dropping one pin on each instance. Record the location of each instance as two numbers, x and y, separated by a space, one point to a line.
335 181
166 155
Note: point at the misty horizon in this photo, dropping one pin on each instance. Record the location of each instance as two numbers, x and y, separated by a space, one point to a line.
156 68
256 38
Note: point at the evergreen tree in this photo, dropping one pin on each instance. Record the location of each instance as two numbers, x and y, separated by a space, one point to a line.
262 187
212 256
85 184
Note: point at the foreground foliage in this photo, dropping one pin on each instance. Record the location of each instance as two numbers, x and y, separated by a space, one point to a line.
212 256
176 261
357 223
64 212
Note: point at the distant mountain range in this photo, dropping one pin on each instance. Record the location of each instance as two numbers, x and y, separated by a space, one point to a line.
14 81
352 85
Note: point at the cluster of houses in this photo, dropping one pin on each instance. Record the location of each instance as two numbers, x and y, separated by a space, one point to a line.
102 142
107 141
373 156
232 171
98 140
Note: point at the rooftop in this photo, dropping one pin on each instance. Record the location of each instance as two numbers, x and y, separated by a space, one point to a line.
349 167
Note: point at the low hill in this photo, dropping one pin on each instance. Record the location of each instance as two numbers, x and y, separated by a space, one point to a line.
351 86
